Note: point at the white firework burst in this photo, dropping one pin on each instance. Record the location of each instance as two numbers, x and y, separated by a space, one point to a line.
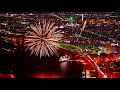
41 40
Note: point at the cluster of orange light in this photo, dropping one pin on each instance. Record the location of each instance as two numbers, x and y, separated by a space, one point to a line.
46 75
14 41
7 76
83 62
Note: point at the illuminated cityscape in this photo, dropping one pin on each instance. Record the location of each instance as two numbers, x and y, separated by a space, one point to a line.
60 44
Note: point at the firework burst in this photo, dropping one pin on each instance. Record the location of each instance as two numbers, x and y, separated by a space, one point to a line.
42 39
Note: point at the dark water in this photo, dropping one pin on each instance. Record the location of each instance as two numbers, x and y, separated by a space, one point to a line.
59 70
25 66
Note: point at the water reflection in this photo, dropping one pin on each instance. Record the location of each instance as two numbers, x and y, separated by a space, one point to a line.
47 75
71 69
60 70
63 67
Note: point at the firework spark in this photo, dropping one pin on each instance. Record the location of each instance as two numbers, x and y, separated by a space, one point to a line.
41 40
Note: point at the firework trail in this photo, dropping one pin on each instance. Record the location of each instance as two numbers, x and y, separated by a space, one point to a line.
42 39
96 66
84 25
82 17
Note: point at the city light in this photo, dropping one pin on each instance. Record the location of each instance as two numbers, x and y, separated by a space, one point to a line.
71 18
60 44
